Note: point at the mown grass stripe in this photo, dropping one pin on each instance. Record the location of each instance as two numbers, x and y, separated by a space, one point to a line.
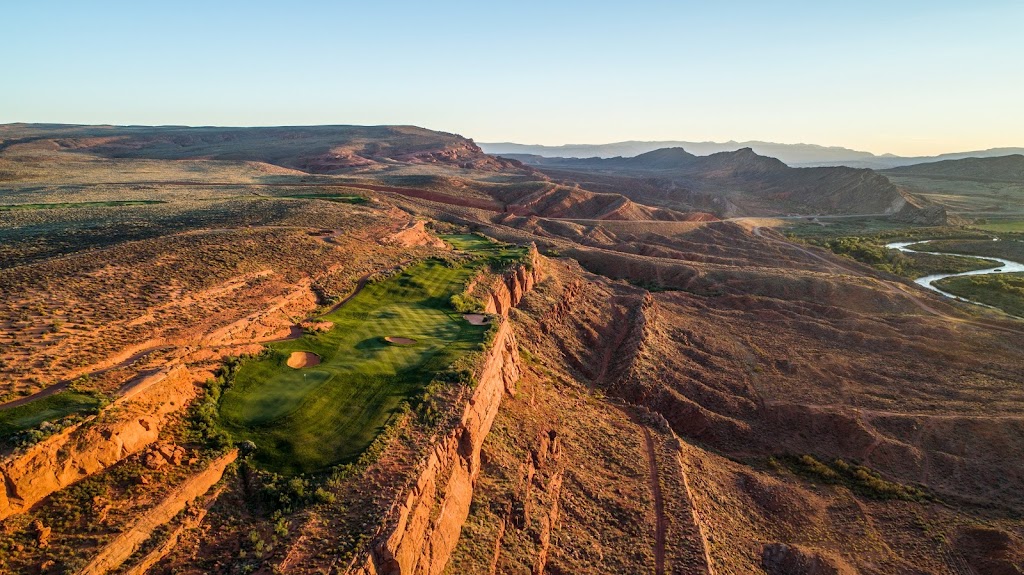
304 420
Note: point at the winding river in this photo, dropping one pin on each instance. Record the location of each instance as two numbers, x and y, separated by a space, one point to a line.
1004 267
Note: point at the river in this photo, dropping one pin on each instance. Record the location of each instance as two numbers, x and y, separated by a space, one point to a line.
1004 267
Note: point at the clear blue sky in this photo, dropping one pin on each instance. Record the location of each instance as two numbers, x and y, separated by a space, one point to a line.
908 77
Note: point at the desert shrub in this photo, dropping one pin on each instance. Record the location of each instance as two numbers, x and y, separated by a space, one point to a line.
466 303
858 478
283 495
204 414
872 252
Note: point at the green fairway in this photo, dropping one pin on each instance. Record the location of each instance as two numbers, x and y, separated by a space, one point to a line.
306 419
52 408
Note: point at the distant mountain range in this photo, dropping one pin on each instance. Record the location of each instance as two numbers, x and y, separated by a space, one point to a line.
663 184
796 155
1008 169
739 182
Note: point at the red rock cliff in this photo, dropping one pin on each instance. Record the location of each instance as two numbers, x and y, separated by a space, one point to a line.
507 291
421 532
127 426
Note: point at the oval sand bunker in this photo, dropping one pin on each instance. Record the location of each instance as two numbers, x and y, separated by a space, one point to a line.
300 359
399 340
477 318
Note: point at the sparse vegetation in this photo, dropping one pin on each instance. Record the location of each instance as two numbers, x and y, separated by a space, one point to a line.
1004 291
343 198
860 479
53 206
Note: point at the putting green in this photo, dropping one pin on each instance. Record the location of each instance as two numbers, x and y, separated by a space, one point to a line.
306 419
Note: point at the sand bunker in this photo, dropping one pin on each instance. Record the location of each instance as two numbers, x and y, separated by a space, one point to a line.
301 359
477 318
399 340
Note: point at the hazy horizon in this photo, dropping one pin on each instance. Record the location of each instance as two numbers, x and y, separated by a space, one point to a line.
913 79
737 141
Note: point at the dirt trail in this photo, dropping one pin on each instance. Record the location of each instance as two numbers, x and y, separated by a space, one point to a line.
660 523
298 332
360 284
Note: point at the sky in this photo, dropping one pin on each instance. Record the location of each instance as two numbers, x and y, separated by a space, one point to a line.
907 77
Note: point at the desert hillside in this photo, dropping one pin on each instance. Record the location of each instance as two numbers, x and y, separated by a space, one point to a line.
1008 168
738 183
370 350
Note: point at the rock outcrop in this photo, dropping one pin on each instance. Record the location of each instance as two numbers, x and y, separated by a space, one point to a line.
783 559
126 427
507 291
415 234
124 545
421 532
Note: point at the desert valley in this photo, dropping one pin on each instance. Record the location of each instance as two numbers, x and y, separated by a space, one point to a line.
382 350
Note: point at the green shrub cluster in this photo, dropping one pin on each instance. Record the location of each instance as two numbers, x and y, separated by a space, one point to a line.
284 495
204 415
858 478
25 439
460 373
1004 291
870 252
465 303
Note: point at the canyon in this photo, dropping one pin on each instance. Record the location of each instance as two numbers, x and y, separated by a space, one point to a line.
663 380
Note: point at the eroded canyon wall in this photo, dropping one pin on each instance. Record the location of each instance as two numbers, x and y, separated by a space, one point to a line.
123 428
419 535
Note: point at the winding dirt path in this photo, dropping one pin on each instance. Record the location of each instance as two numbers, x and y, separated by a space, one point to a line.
298 332
660 523
360 284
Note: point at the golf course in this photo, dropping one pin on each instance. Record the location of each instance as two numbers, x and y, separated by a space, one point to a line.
385 346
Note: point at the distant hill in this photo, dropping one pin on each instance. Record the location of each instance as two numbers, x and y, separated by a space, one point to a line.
796 155
436 166
313 149
664 184
740 182
998 169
